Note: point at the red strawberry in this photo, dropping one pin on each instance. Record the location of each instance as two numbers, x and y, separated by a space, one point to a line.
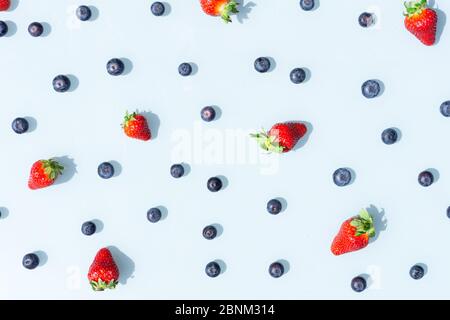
221 8
135 126
4 5
44 173
103 272
354 234
421 21
282 137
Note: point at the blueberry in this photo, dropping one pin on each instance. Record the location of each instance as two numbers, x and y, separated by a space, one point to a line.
298 75
342 177
88 228
448 212
214 184
20 125
157 8
30 261
276 269
262 64
365 19
84 13
3 28
105 170
208 114
389 136
426 178
370 89
177 170
61 83
212 269
445 109
416 272
209 232
359 284
115 67
154 215
185 69
274 206
35 29
307 5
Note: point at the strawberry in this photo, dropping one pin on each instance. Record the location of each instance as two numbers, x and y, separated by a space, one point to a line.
135 126
354 234
282 137
4 5
44 173
103 272
221 8
421 21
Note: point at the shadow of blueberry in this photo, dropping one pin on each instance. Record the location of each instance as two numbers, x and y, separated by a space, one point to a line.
4 213
12 28
43 258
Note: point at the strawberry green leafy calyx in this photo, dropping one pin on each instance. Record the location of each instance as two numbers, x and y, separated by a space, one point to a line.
415 7
228 9
101 285
52 168
363 224
267 143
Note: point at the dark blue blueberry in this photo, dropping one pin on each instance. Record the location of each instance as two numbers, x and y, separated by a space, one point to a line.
448 212
115 67
342 177
212 269
365 19
214 184
61 83
20 125
416 272
298 75
209 232
105 170
3 28
154 215
84 13
274 206
88 228
35 29
262 64
276 269
185 69
157 8
307 5
370 89
177 170
30 261
445 109
359 284
426 178
389 136
208 114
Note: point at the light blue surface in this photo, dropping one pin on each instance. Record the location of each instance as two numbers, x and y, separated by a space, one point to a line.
166 260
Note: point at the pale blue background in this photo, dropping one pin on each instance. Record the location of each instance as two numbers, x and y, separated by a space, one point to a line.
169 257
